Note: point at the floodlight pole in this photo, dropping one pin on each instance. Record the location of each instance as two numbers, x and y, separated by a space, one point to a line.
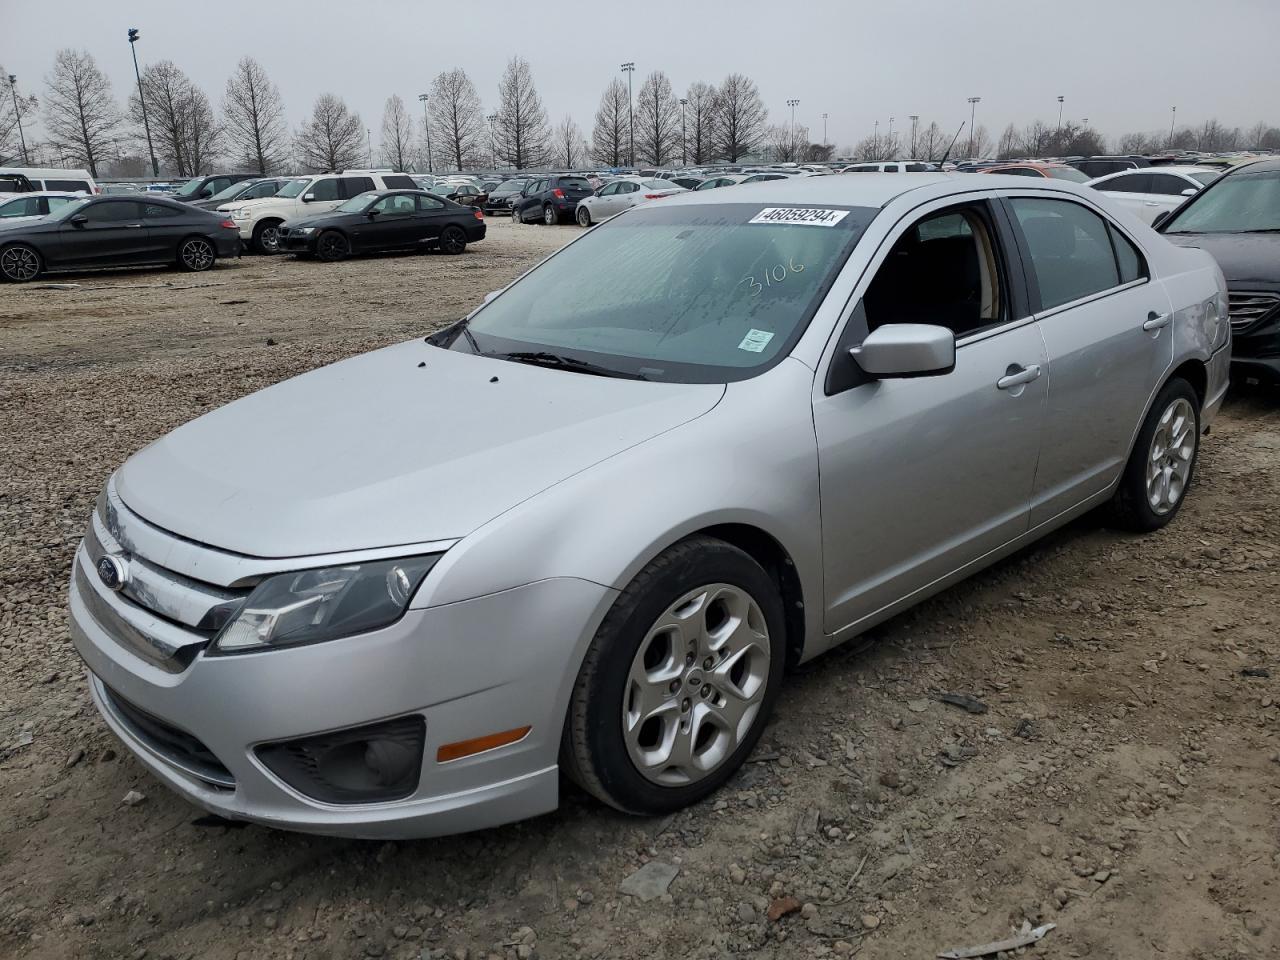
134 35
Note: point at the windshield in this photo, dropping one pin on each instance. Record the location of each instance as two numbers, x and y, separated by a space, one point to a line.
190 188
1239 203
510 186
693 294
356 204
293 188
1067 173
232 192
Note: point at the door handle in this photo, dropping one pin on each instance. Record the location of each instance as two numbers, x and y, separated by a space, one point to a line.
133 226
1150 203
1017 376
1155 320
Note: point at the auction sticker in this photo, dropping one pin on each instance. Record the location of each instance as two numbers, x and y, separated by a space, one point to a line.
808 216
755 340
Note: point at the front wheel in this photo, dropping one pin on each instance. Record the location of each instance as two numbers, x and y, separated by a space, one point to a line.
453 240
332 246
1163 461
196 254
266 237
584 217
19 263
676 687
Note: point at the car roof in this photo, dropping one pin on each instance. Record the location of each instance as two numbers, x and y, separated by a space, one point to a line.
6 197
1255 166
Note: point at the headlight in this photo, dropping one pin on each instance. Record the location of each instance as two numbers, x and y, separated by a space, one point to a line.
239 214
304 230
312 605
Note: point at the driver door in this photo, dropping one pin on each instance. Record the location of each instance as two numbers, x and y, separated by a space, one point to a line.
921 477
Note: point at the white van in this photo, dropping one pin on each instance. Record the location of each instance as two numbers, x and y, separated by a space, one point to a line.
46 178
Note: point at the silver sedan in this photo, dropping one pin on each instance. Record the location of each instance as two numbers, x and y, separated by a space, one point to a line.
622 194
585 530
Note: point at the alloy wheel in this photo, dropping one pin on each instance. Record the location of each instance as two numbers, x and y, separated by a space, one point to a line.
549 216
269 239
1173 448
197 255
453 240
584 217
696 683
331 246
19 264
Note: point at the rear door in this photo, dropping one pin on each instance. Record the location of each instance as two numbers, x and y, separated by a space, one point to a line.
1107 327
112 234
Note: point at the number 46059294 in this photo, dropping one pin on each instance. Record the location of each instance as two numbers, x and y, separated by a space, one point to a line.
774 275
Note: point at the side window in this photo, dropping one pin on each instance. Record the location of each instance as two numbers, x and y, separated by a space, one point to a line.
429 204
72 186
917 167
398 181
1020 172
1168 184
57 202
26 207
354 186
1129 183
890 168
944 270
326 189
265 189
630 187
1069 248
113 211
609 190
398 205
1132 266
158 211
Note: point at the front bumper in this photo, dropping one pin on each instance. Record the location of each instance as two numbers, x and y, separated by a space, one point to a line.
498 662
293 242
1218 379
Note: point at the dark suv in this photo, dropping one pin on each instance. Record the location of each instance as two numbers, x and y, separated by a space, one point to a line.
550 199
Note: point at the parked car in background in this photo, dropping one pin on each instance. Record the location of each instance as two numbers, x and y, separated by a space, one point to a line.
622 194
244 190
891 166
32 206
763 177
259 220
467 193
60 179
1151 191
1032 168
92 232
689 183
720 180
202 188
526 548
1094 167
165 188
117 189
384 220
1236 218
551 199
501 196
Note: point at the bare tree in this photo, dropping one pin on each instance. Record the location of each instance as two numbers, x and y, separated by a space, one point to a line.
520 133
740 118
699 117
657 121
931 142
567 148
183 126
609 136
333 138
81 118
819 153
1010 143
786 143
397 134
877 147
457 118
253 118
10 141
1212 135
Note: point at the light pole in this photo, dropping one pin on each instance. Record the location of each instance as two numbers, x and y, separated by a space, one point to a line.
915 123
973 107
629 68
493 147
142 101
824 129
684 140
875 141
1173 119
13 89
888 139
426 129
791 138
368 145
1060 102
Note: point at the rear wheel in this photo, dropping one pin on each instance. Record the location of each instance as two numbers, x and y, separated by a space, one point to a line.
266 237
332 246
549 216
453 240
1163 461
19 263
196 254
677 685
584 217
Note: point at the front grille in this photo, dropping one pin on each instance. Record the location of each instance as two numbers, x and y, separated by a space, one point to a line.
1250 309
178 747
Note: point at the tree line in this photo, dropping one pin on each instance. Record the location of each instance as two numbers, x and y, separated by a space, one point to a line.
84 125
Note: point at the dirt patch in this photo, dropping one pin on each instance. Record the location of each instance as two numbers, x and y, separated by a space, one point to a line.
1123 784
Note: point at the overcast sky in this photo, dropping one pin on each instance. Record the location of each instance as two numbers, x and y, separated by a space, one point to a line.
1120 63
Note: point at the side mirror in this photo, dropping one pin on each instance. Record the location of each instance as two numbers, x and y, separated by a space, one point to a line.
906 350
371 214
1161 217
79 220
1190 192
206 193
490 295
308 197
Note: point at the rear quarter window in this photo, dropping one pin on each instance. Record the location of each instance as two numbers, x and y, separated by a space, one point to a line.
397 181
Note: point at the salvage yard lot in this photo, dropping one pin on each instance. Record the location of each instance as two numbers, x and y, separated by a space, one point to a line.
1123 784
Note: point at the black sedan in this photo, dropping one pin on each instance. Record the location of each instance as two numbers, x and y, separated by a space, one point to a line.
98 232
1237 219
385 220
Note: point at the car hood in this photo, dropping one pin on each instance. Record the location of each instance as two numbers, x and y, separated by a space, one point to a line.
318 219
1244 257
380 450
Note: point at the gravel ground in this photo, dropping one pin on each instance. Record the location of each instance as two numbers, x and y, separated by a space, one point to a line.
1124 782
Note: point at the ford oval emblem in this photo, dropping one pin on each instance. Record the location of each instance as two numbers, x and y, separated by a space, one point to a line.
113 572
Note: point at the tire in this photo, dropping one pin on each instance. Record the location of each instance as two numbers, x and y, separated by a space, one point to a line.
613 745
196 254
453 240
549 216
1163 462
20 263
266 237
332 246
583 216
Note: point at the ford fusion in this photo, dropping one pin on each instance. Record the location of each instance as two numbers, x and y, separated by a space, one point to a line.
584 531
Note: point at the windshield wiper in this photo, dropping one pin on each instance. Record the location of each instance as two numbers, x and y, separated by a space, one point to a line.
545 358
